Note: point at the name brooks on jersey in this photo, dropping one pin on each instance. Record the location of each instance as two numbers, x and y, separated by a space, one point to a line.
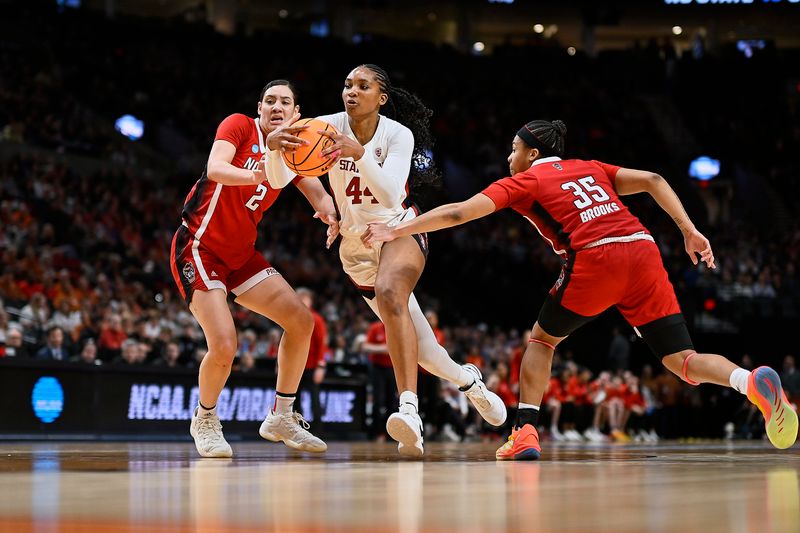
598 211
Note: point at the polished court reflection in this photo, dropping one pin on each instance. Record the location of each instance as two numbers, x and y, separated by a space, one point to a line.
365 487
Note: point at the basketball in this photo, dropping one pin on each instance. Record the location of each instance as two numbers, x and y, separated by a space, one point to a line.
307 160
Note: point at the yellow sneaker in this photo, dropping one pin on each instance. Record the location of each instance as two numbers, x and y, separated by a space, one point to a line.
764 389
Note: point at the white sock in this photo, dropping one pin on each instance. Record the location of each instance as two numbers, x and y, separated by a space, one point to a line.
739 379
409 397
283 404
202 411
527 406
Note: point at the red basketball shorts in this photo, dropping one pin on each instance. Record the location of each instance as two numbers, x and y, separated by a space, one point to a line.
194 268
629 275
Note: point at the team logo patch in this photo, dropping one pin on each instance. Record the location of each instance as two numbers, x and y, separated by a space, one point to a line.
378 152
558 166
255 148
188 272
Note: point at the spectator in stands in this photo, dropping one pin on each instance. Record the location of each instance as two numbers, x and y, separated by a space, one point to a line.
790 378
384 389
316 364
170 356
130 353
88 354
112 336
36 313
54 350
14 343
67 316
619 351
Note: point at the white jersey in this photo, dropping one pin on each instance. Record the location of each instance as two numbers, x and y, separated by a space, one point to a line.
373 188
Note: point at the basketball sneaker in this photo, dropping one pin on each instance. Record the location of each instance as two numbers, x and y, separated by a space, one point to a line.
487 403
522 445
405 427
207 433
292 429
764 389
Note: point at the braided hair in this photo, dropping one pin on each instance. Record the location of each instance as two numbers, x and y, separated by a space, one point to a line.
546 136
407 109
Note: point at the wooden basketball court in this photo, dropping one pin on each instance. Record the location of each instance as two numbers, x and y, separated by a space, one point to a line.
366 487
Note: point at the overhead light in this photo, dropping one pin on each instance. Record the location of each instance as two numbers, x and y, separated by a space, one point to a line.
677 30
538 28
571 51
478 47
283 13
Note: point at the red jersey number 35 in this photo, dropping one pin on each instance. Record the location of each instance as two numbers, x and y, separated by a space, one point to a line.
581 188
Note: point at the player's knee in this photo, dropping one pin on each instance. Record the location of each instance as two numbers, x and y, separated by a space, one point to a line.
678 364
391 301
222 350
301 323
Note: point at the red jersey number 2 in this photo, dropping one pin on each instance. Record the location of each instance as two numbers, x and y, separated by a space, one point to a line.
353 190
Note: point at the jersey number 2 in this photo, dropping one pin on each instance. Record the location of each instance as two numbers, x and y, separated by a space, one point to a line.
353 190
586 186
261 192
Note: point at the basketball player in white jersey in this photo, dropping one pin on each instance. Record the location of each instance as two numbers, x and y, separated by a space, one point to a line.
370 182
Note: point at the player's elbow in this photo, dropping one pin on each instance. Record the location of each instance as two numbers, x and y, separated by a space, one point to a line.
213 171
653 181
454 216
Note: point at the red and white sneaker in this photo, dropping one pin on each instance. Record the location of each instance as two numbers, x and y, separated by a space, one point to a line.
764 389
522 445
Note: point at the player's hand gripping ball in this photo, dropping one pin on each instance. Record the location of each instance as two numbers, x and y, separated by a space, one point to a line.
307 160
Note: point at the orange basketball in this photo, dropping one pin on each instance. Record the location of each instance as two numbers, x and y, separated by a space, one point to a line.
307 160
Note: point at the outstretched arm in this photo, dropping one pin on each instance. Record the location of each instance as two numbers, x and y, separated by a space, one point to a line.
630 181
444 216
323 206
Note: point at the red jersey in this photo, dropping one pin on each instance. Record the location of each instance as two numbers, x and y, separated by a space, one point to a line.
318 347
224 217
555 391
578 390
506 394
376 334
516 365
570 202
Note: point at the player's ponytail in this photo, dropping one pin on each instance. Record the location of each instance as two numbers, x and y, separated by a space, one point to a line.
407 109
546 136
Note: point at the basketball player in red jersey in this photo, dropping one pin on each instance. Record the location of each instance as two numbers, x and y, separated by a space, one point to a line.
213 253
609 259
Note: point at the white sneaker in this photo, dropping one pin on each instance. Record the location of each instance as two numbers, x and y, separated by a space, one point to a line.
405 427
573 436
487 403
208 438
556 435
292 429
449 434
594 435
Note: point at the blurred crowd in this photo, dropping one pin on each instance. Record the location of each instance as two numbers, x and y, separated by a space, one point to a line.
84 274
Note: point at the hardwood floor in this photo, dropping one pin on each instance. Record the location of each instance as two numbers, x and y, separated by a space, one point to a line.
366 487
